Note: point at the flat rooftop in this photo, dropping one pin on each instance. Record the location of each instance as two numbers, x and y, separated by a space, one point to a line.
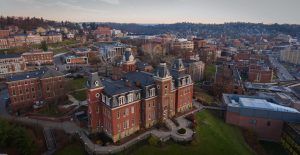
257 103
260 107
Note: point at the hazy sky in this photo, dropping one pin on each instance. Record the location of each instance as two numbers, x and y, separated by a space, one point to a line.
157 11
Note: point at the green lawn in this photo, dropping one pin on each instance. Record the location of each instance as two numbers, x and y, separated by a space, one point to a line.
209 71
78 83
51 111
79 95
214 137
58 50
63 43
72 149
203 96
273 148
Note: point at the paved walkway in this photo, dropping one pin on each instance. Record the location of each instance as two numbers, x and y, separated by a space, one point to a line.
74 102
50 141
91 148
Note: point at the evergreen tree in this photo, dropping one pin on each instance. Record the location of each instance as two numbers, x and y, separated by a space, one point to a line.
44 46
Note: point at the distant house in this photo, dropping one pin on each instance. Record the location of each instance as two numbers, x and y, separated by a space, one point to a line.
108 51
38 57
11 63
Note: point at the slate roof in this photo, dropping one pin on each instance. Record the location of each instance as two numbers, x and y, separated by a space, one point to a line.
178 65
112 88
6 56
145 79
141 65
162 71
94 81
42 73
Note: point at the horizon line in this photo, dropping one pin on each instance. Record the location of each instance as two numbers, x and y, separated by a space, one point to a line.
169 23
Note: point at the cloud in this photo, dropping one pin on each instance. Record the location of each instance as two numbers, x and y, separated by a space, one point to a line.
76 7
114 2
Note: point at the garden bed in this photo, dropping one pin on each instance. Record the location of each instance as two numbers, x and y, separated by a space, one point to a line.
181 131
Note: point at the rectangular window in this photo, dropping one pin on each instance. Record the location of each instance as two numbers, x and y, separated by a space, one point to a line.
132 122
152 92
127 111
118 114
103 98
166 89
130 97
98 109
132 109
121 100
118 126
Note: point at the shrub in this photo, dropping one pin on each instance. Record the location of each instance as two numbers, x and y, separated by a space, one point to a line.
181 131
154 141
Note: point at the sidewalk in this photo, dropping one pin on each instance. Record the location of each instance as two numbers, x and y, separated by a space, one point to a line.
91 148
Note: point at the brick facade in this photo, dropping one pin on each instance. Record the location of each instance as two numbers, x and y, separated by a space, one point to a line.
138 100
12 63
266 129
28 88
38 58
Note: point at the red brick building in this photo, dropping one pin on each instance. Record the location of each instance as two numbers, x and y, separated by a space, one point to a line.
4 33
103 31
260 74
253 66
45 85
74 59
139 100
209 53
262 115
11 63
38 58
227 80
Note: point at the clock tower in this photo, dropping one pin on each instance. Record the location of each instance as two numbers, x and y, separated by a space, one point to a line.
94 91
166 92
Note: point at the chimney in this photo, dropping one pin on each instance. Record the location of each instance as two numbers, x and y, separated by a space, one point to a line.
138 83
127 83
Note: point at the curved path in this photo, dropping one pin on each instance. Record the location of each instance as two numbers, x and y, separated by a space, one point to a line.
91 148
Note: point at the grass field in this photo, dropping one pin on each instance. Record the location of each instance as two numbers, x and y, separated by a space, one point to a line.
79 95
273 148
214 137
78 83
51 111
203 96
72 149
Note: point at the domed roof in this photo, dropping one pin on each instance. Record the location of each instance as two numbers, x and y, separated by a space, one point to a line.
128 55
